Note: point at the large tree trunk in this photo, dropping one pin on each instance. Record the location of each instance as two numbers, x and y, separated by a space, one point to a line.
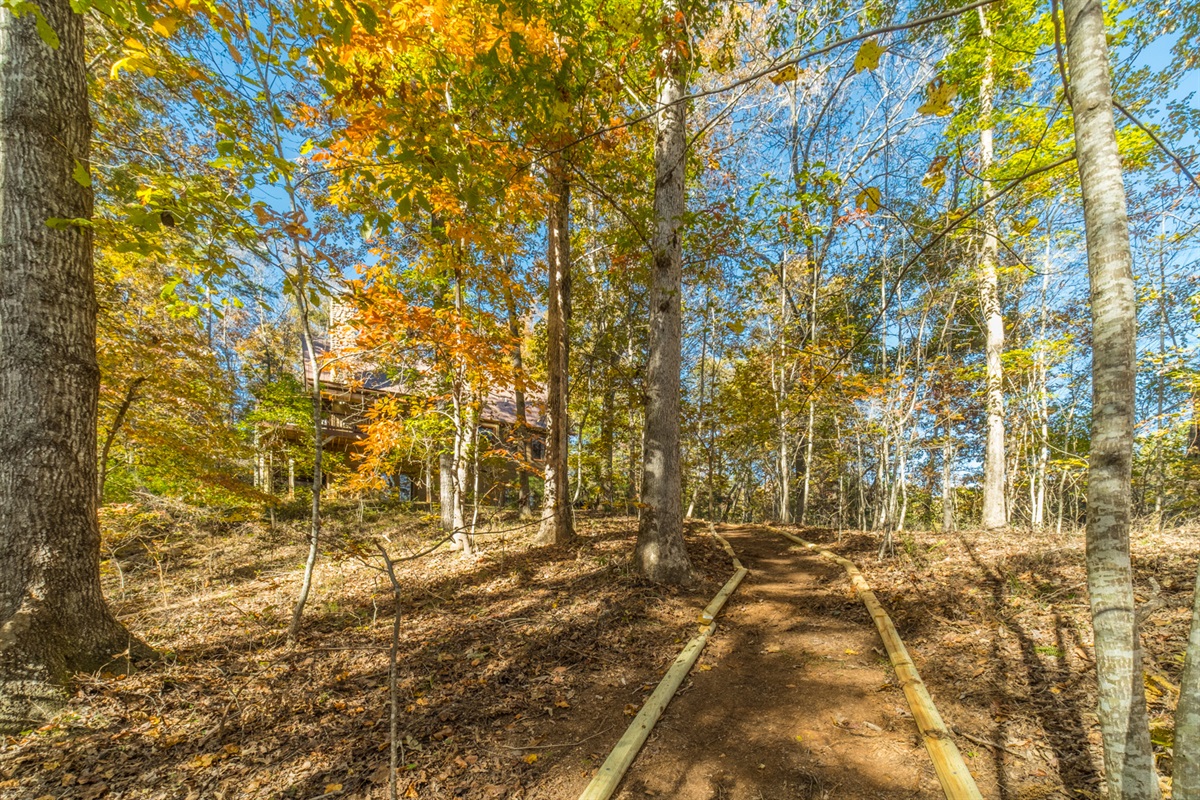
995 514
53 619
1129 763
557 526
661 554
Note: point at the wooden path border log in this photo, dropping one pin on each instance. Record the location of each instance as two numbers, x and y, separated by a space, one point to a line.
607 778
956 780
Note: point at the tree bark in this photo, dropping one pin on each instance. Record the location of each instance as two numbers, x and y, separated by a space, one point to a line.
1129 762
947 479
314 528
446 490
995 513
1185 769
557 525
53 618
521 427
661 554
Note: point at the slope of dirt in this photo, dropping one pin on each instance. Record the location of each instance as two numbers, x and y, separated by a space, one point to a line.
514 666
519 669
999 627
793 698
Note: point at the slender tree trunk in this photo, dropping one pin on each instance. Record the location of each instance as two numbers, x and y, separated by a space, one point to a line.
661 554
1129 761
810 429
110 437
994 507
557 526
947 480
521 428
1185 769
785 475
1042 391
607 414
314 531
53 618
446 490
462 447
462 429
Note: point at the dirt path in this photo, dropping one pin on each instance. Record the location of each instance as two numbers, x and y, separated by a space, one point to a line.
793 698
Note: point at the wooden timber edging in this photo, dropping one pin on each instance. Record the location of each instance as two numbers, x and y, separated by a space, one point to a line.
606 779
952 772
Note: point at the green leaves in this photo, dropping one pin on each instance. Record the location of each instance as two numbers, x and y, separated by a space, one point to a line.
64 224
21 7
81 176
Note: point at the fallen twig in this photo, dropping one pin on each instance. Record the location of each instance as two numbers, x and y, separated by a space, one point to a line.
559 746
987 743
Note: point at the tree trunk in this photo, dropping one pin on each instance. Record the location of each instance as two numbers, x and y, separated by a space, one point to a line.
1185 769
314 531
521 428
53 618
994 511
462 447
1129 762
557 525
661 554
110 437
446 490
1042 391
947 480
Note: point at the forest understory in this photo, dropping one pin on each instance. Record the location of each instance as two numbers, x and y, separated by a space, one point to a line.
520 667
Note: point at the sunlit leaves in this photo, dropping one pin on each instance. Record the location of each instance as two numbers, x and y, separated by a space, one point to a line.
1025 226
135 58
869 199
938 97
868 55
785 75
935 176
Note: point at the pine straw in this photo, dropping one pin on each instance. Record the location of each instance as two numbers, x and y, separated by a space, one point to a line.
502 661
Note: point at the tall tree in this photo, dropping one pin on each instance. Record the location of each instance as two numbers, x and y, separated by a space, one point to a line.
53 618
995 514
557 526
661 554
1129 761
1185 770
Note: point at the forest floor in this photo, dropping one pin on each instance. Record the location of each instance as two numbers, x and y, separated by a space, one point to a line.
519 668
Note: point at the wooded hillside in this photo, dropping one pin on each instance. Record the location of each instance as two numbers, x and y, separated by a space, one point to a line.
297 294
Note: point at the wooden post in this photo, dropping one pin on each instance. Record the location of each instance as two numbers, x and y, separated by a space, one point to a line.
291 479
